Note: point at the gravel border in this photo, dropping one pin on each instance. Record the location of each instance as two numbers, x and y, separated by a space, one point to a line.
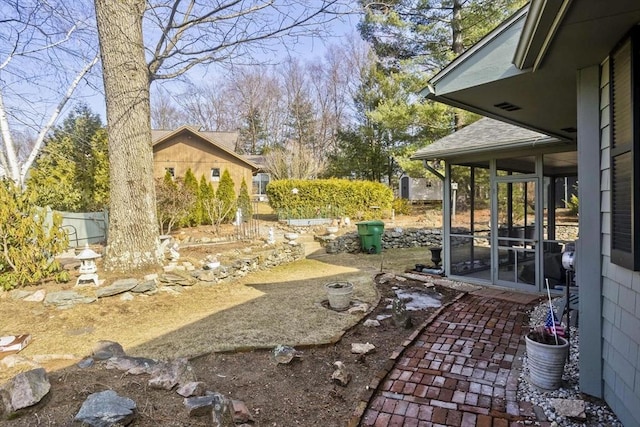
597 411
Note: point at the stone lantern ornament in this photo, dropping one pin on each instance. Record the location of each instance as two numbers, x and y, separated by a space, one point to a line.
88 267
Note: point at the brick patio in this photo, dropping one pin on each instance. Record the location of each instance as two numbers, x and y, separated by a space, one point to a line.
460 369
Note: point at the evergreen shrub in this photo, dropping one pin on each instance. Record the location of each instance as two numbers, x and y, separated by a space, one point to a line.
329 198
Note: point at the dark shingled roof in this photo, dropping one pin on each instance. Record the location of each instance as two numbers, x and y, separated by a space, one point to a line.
484 135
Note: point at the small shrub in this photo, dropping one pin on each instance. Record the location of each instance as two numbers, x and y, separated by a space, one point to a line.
174 202
402 206
28 242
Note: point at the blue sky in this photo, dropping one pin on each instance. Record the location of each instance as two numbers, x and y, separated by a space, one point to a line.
303 48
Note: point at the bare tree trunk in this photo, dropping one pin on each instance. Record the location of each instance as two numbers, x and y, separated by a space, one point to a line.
133 240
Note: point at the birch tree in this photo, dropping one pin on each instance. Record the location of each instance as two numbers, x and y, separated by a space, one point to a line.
180 35
47 50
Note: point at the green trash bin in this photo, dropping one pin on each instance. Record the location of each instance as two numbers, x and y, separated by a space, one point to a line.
370 233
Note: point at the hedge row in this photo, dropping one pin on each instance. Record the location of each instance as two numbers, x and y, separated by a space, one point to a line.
329 198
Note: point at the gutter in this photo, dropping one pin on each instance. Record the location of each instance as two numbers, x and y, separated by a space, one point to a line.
432 170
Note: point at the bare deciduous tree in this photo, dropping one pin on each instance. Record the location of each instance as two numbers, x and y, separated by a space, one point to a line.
211 106
165 113
293 162
46 51
188 33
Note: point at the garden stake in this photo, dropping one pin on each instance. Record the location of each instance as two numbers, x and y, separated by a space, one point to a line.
553 318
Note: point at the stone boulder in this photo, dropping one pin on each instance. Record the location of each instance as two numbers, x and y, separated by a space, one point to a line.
169 374
24 390
132 365
105 349
106 409
220 408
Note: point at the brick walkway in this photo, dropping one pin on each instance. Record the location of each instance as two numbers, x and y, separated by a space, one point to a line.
462 370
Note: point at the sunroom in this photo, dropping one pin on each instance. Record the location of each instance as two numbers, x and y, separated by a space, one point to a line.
506 196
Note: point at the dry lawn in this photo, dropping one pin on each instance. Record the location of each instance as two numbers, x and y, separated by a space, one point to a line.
280 306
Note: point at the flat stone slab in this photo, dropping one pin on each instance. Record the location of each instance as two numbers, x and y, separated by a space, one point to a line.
66 299
117 287
146 286
573 408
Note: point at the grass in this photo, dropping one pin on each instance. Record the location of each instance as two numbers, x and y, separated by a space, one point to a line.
279 306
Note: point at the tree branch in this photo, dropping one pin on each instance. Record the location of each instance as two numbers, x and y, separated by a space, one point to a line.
54 116
203 36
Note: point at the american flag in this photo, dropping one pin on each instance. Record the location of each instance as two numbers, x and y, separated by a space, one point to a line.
553 328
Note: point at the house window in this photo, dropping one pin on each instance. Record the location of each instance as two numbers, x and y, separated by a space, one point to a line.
172 172
215 174
625 152
260 181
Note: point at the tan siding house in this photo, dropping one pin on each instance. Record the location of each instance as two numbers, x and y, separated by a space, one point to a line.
206 153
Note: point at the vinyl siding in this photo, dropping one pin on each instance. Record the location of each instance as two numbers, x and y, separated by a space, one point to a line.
621 298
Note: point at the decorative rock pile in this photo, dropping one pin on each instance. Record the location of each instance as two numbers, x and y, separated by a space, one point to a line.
391 239
177 275
107 408
395 238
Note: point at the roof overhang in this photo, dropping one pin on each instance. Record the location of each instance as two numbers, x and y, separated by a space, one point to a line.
525 71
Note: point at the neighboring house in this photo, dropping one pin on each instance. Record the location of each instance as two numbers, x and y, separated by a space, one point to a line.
206 153
571 70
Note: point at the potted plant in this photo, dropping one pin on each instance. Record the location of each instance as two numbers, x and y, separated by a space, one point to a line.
547 352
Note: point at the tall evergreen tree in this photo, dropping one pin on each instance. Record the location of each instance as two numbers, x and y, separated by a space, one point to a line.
429 33
191 185
72 171
244 201
386 126
99 172
253 135
419 37
53 177
226 195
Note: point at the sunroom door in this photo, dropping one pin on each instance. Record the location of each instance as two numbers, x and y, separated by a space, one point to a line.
514 257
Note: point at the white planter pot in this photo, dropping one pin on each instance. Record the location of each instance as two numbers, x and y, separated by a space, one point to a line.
546 363
339 295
